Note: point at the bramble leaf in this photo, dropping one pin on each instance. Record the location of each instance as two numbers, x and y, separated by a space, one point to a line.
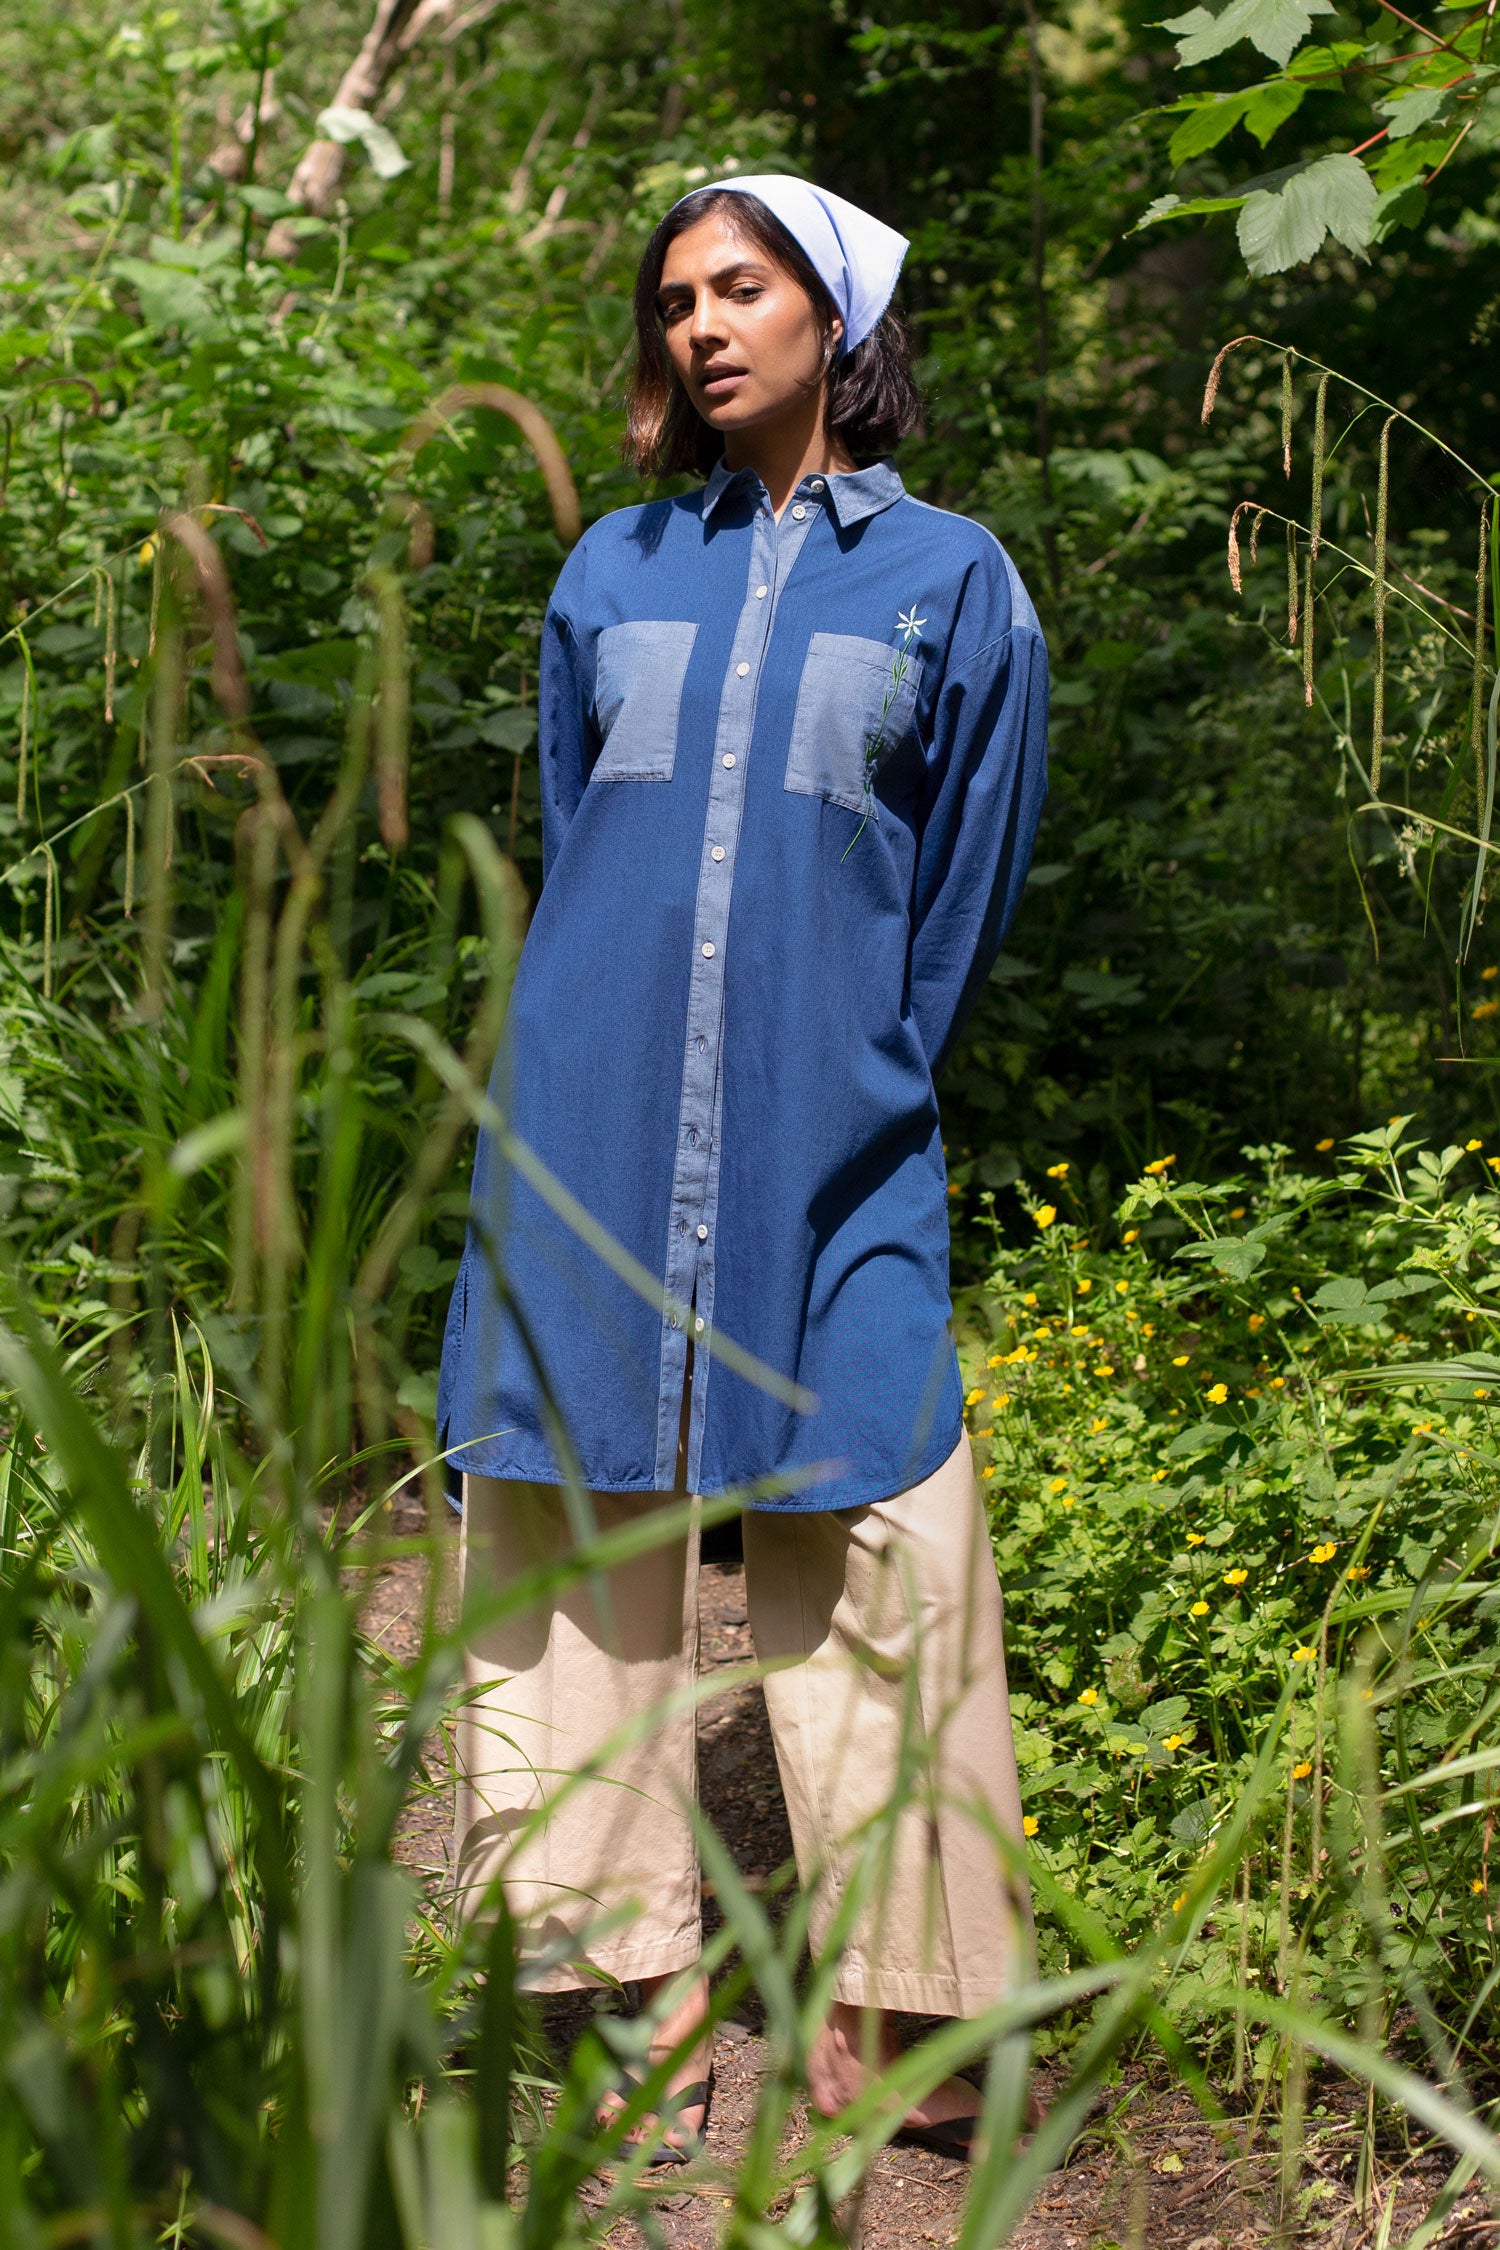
1287 226
1412 108
1210 117
1270 106
1276 27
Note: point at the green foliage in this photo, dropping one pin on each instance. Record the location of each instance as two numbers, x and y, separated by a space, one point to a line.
1238 1458
1431 95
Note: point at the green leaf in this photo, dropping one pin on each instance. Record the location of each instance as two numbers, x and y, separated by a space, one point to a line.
1096 988
1173 207
1276 27
1318 62
1399 207
169 297
1271 106
514 729
1412 108
1210 117
1285 227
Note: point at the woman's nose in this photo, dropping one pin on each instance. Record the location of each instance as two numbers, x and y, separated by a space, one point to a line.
705 328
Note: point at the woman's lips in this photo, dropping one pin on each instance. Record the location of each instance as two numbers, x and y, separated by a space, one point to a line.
719 382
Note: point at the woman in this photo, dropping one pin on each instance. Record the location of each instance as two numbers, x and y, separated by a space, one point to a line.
793 740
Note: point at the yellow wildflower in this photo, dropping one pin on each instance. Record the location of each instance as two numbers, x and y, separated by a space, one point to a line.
1082 1329
1325 1146
996 1359
1096 1426
1122 1288
1084 1287
988 1472
1030 1824
1278 1382
1154 1171
1477 1886
1179 1903
1199 1609
1046 1217
1257 1320
1058 1484
1472 1145
974 1397
1174 1742
1301 1770
1157 1475
1357 1570
1002 1401
1104 1370
1484 1009
1487 976
1217 1394
148 550
1131 1234
1149 1329
1235 1577
1195 1538
1304 1655
1323 1552
1238 1212
1057 1171
1181 1360
1493 1163
1089 1695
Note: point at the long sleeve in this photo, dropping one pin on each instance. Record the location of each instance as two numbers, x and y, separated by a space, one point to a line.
989 777
567 742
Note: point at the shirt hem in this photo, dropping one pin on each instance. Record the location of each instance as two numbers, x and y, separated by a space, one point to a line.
830 1497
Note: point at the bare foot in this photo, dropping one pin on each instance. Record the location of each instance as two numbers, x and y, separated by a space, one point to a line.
684 2015
854 2044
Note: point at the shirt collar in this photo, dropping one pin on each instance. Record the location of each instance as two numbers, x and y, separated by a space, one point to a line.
852 495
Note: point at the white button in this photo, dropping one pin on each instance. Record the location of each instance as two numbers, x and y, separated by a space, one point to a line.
708 953
718 852
729 757
742 669
698 1325
817 484
703 1234
761 593
799 512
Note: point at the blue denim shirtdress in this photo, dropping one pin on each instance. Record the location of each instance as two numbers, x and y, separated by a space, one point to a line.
791 776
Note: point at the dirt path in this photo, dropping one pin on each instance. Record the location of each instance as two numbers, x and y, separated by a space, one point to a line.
1149 2174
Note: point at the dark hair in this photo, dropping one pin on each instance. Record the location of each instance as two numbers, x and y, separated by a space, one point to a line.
872 399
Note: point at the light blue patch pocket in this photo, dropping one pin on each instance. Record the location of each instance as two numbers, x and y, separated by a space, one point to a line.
852 711
638 694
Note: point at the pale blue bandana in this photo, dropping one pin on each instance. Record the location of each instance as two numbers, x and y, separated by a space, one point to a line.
856 256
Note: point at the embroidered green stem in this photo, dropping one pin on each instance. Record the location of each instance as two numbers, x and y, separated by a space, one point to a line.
910 625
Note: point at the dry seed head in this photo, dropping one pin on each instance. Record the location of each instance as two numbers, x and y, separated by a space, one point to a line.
1255 523
1291 585
226 674
534 427
1234 544
1286 411
1215 374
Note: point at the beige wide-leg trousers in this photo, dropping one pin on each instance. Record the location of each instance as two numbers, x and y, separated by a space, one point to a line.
880 1629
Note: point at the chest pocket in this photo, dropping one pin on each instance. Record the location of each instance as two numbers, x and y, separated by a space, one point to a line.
851 713
638 695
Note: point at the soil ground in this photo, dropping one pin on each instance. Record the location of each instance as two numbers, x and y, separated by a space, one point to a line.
1148 2174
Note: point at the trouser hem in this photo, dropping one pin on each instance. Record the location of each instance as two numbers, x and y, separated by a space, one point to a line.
666 1957
914 1994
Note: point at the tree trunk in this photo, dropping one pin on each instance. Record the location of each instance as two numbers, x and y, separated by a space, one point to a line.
395 29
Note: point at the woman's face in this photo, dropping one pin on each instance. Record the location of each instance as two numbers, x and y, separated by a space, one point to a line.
742 334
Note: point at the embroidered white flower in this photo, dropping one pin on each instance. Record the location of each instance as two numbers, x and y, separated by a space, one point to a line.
909 623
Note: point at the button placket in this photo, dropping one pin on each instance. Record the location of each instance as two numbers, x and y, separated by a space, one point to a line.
689 1258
